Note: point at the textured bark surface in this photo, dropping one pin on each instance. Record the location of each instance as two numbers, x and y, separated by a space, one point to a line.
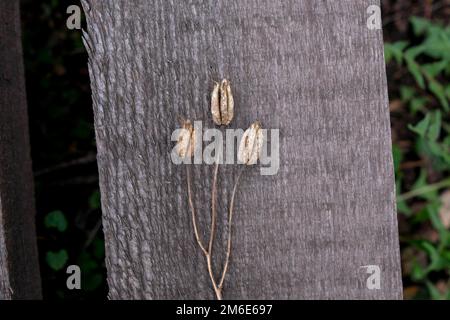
19 268
309 68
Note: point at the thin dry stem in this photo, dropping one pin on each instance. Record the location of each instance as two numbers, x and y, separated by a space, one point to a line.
208 252
217 290
213 230
213 206
230 222
197 236
191 205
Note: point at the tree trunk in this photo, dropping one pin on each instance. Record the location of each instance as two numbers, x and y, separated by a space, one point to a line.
19 268
312 69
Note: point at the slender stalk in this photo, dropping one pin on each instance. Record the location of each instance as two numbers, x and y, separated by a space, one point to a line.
207 253
213 207
230 221
213 230
191 205
217 290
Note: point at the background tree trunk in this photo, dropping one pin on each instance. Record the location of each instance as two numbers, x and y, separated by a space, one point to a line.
309 68
19 268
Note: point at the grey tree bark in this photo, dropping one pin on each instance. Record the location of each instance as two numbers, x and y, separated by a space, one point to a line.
312 69
19 268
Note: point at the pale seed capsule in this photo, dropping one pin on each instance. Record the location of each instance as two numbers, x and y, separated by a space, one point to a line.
251 144
222 103
186 140
226 102
215 105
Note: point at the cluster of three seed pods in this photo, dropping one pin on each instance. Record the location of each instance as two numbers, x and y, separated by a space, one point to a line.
222 110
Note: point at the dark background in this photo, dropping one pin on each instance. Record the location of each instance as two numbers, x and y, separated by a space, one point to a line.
63 151
417 37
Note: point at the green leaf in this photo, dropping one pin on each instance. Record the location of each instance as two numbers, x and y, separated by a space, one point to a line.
420 25
56 219
413 52
397 156
418 104
433 254
417 272
435 68
420 217
433 213
407 93
57 260
439 92
434 151
92 276
422 127
437 263
446 141
87 263
414 69
446 255
394 50
92 281
403 208
434 129
435 148
434 292
94 200
421 180
387 53
437 45
446 159
422 183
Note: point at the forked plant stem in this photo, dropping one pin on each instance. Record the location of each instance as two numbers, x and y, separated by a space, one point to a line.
230 223
191 205
208 252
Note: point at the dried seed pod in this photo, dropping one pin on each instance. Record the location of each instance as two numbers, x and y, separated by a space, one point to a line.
226 102
215 105
251 144
222 103
186 140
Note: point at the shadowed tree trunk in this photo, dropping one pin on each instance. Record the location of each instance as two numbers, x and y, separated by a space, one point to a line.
19 269
312 69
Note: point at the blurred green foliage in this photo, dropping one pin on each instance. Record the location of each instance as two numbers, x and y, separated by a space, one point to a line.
57 260
63 151
56 219
427 61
